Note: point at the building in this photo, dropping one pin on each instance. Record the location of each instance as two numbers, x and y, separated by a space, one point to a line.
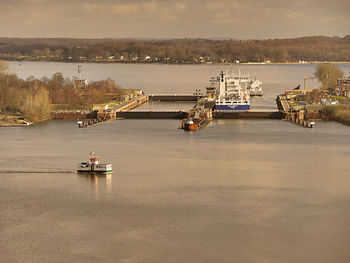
342 88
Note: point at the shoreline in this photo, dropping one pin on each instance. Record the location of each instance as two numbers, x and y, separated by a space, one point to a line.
178 63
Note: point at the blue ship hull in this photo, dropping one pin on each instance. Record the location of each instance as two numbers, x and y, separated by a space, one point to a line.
232 107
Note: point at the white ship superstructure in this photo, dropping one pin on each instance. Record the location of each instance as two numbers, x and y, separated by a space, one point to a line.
93 165
231 95
254 87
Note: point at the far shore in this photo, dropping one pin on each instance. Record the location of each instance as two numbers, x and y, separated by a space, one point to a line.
176 63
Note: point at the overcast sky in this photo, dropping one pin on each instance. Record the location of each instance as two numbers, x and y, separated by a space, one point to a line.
260 19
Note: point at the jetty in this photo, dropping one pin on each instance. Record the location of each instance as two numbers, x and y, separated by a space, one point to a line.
204 108
109 112
293 112
13 119
216 114
173 97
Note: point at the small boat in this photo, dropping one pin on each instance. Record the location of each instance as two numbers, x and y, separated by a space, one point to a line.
190 125
93 165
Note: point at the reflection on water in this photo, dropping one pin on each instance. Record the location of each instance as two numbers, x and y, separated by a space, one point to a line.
98 181
166 106
243 189
238 190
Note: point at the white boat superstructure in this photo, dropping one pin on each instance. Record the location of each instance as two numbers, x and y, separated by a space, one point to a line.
231 95
93 165
254 87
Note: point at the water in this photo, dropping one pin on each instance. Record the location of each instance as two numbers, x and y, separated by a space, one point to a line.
236 191
180 79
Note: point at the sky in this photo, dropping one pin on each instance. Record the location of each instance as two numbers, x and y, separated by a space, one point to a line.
158 19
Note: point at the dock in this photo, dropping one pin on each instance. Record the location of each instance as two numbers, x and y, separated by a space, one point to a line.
173 97
252 114
294 114
107 112
128 110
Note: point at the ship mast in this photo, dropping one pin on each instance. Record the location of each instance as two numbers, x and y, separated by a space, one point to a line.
79 71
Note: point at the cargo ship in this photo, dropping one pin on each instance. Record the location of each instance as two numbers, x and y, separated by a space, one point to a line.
254 87
231 94
93 166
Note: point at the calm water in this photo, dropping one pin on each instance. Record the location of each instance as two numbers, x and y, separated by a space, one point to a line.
179 79
237 191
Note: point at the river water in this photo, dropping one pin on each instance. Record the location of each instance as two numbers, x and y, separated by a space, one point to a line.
236 191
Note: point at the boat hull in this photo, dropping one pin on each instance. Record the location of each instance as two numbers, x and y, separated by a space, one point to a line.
94 171
256 93
232 107
97 168
190 127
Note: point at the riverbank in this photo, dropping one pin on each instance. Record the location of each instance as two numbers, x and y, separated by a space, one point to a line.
13 119
107 61
339 113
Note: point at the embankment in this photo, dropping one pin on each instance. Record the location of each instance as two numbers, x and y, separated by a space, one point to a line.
339 113
73 114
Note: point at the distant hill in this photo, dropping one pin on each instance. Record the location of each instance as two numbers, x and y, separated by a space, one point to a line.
313 48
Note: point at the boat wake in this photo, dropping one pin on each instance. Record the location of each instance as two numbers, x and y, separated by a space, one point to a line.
38 172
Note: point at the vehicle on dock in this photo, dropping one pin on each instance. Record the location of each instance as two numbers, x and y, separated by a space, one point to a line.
93 166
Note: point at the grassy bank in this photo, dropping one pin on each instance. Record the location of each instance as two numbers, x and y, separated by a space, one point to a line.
339 113
34 99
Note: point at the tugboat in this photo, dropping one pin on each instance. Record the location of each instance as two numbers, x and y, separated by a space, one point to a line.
93 166
198 118
190 125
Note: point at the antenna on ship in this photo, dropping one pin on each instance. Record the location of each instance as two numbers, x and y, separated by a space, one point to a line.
79 71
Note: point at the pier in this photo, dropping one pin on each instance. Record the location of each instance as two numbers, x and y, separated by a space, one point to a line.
161 114
130 110
109 112
253 114
173 97
294 114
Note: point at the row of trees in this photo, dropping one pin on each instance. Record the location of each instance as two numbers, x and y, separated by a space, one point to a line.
31 99
318 48
66 91
34 97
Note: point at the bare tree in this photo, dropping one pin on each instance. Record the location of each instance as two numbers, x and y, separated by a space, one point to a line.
328 74
3 66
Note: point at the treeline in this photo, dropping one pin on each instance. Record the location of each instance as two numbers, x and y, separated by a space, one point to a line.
29 97
34 97
318 48
71 91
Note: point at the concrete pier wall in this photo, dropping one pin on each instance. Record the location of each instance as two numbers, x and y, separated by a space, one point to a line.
182 115
160 97
152 115
73 115
248 115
